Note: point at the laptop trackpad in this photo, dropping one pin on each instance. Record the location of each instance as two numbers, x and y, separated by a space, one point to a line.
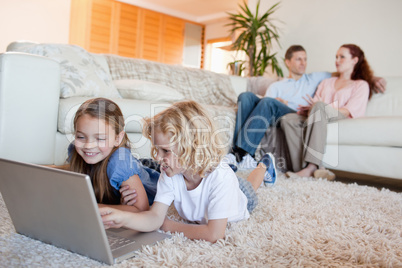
133 240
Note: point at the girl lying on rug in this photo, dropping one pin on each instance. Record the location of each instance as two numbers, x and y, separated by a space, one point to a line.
205 191
101 149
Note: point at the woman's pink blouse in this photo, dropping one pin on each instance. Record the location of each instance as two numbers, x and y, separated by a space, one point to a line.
353 97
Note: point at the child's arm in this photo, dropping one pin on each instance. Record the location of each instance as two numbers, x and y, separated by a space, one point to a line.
214 230
145 221
128 196
133 184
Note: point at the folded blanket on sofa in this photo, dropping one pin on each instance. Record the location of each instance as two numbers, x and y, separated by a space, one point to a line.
200 85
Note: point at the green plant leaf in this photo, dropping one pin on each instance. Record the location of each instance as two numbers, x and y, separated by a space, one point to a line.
256 36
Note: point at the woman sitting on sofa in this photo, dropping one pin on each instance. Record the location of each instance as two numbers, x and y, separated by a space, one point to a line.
340 97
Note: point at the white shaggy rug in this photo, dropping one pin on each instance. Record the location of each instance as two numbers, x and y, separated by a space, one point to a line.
298 223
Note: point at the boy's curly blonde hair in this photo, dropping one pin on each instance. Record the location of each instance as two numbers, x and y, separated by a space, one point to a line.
191 128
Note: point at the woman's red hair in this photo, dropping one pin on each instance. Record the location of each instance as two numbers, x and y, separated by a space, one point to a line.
362 70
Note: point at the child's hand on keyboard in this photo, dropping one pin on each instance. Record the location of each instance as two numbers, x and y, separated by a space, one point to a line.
112 218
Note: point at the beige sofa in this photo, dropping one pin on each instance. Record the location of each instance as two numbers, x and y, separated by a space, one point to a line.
39 96
42 86
372 144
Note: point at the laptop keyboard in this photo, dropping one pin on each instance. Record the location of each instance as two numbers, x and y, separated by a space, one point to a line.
117 242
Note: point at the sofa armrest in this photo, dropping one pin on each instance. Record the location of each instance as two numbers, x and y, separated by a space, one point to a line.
29 101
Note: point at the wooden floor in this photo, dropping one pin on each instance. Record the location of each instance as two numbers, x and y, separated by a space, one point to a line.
362 179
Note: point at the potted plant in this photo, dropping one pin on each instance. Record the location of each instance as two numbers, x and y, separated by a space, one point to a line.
256 36
236 67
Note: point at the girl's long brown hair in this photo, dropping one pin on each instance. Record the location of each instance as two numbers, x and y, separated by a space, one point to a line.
102 109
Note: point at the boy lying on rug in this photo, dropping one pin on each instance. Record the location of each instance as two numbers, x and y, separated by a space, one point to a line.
205 191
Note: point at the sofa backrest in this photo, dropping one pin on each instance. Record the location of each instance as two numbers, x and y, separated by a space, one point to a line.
388 103
259 84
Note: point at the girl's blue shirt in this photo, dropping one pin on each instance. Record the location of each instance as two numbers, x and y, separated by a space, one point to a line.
122 165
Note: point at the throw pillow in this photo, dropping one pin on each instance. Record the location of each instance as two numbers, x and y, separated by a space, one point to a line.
145 90
81 74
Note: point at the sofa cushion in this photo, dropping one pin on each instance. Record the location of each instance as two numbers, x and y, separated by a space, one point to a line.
101 60
372 131
144 90
81 74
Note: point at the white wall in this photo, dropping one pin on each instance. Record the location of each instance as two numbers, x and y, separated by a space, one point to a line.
321 26
192 45
216 30
34 20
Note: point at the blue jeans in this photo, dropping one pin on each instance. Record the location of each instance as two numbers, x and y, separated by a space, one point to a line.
254 117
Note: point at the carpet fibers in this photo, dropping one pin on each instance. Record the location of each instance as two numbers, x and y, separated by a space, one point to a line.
298 223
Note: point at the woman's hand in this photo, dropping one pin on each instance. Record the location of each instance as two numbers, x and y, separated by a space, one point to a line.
303 110
128 196
310 100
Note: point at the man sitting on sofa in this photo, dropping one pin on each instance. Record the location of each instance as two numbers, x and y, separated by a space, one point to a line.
255 115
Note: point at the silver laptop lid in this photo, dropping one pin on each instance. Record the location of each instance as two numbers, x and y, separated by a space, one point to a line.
55 206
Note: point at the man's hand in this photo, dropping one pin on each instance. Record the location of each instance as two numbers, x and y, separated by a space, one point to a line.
379 85
282 100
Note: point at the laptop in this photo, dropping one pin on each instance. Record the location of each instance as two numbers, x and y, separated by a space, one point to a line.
59 207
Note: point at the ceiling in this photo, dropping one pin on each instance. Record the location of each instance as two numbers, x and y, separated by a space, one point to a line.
201 11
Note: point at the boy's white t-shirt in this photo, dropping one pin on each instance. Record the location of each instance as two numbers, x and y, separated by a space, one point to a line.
217 197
